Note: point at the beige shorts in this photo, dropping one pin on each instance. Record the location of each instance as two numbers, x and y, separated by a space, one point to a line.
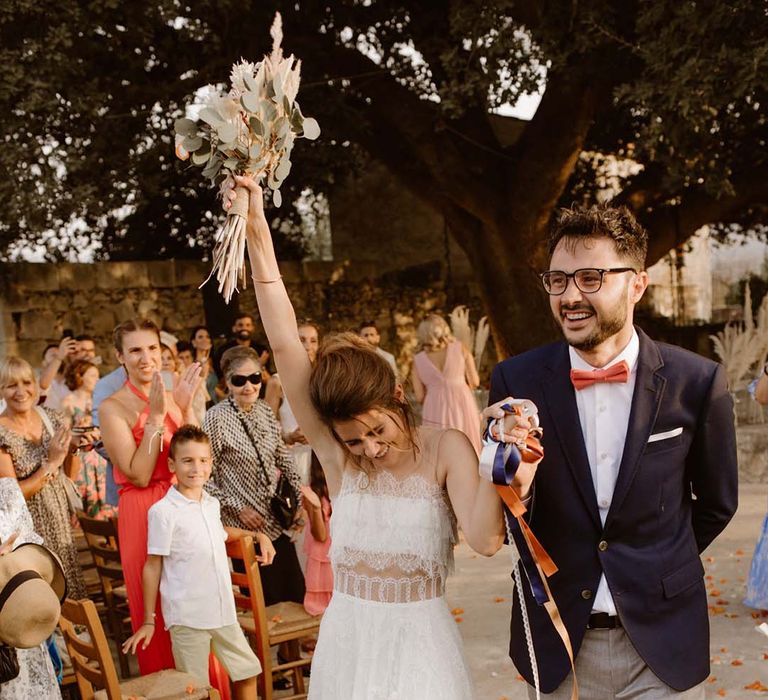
192 646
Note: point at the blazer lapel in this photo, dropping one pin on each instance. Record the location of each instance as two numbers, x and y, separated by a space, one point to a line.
560 400
649 390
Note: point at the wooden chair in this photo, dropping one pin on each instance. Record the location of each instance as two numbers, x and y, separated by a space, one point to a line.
269 626
93 664
101 536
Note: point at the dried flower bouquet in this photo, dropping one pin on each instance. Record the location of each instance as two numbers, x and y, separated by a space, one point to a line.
248 131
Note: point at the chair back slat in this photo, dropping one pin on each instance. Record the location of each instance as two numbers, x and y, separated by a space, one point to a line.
242 550
92 662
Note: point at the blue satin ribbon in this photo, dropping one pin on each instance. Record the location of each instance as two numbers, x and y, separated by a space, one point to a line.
503 472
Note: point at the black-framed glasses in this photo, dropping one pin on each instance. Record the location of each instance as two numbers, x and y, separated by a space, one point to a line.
587 279
239 380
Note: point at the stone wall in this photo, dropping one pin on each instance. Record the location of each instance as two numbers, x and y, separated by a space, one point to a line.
38 301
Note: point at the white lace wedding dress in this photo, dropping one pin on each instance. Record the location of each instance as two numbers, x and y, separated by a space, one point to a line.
387 633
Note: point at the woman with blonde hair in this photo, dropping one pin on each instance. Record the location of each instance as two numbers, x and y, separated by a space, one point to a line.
38 449
444 375
395 488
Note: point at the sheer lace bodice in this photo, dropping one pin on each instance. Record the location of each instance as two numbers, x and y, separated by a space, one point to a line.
392 540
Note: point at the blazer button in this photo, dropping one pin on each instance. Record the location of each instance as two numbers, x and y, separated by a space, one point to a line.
586 594
602 545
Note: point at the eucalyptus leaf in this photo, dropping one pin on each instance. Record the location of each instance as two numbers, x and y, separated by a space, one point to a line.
286 104
211 116
277 198
272 181
185 127
270 89
282 170
281 126
256 126
231 163
251 82
254 152
250 100
277 86
311 128
201 157
192 143
268 111
228 132
297 120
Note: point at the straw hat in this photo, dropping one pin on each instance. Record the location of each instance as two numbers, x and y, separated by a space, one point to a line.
32 585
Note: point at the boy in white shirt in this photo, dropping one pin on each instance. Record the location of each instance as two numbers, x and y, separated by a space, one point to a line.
187 562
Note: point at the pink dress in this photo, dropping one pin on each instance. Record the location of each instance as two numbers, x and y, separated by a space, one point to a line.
449 402
318 574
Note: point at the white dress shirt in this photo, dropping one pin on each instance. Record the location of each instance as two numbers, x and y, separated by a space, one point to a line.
195 586
604 416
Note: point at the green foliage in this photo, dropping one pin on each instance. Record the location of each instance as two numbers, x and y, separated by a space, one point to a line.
91 91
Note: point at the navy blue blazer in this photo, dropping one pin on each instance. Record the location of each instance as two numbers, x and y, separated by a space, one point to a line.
672 498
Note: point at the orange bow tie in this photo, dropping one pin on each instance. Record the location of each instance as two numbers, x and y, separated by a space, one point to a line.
582 378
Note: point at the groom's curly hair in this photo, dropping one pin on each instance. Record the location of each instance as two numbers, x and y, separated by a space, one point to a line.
601 220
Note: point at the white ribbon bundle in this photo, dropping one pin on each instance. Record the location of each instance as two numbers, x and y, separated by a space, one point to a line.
248 131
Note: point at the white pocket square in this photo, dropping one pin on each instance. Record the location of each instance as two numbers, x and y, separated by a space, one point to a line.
665 435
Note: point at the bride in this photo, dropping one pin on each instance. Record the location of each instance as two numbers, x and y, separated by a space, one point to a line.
395 488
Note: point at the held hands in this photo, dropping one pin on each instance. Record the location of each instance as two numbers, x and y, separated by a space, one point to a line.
143 636
516 430
187 386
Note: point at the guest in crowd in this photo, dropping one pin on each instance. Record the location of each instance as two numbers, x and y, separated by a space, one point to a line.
200 340
52 384
444 375
85 349
243 330
368 330
185 353
36 447
187 561
137 423
167 360
105 387
37 678
248 457
757 583
318 575
91 479
309 334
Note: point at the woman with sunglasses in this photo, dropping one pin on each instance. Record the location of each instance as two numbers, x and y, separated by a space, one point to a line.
248 457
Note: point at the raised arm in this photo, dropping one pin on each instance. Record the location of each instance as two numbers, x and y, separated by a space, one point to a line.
279 320
470 370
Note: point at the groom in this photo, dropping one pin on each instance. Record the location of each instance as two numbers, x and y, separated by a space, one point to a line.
639 475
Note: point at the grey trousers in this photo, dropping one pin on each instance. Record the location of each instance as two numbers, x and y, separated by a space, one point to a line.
608 667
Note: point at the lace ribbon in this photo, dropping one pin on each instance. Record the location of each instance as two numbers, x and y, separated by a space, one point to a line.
500 461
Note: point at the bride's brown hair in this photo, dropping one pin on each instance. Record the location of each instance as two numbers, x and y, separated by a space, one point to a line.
349 378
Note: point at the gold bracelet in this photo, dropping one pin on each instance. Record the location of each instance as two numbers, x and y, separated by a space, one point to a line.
255 281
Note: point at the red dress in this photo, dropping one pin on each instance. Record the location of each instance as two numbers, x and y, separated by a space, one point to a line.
133 508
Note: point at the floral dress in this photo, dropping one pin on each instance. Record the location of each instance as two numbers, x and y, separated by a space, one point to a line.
36 678
49 507
91 481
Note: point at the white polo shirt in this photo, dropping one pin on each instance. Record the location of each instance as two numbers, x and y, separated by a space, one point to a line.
195 587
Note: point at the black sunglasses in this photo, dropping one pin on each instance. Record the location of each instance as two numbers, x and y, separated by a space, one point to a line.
239 380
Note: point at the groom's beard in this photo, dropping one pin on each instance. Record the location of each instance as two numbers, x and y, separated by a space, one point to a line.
606 324
243 335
